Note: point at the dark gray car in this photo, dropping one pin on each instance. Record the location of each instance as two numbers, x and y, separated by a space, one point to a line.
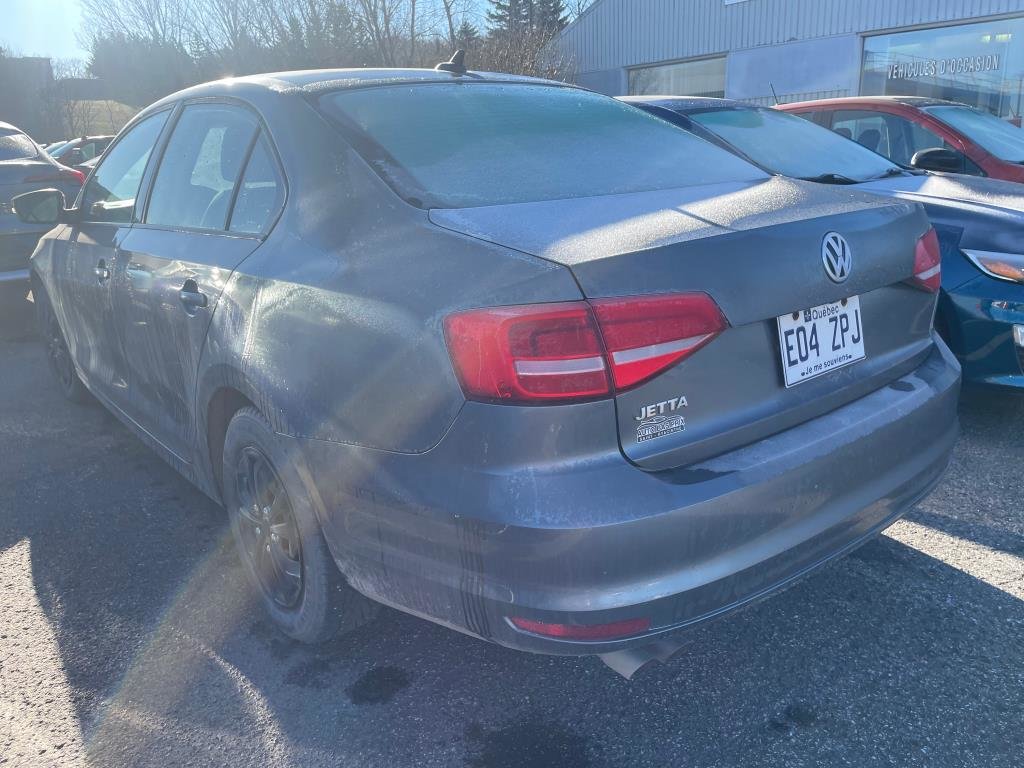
24 166
502 353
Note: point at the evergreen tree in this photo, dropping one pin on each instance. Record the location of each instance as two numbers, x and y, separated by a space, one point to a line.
508 15
548 16
467 36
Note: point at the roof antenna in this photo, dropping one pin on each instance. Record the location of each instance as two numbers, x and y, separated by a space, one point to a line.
456 64
774 94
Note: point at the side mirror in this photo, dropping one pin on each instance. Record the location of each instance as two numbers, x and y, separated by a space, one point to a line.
939 159
74 157
43 206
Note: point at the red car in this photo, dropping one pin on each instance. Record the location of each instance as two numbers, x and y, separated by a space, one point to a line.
930 134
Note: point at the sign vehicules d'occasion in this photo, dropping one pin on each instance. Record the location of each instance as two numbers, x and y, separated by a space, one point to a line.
958 65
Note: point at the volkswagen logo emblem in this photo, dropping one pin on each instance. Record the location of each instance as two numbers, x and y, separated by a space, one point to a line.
837 257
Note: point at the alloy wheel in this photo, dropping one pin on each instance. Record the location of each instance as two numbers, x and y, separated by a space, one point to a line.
268 531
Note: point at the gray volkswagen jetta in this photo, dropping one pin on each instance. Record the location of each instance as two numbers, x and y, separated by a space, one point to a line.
503 353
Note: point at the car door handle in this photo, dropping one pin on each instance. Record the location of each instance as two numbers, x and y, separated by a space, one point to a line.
191 296
101 271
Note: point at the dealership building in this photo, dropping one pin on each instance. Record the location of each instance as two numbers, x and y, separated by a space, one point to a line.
792 50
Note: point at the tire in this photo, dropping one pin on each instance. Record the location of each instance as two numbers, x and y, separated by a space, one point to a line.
58 356
278 537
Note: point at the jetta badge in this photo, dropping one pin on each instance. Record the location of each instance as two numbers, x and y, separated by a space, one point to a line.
837 257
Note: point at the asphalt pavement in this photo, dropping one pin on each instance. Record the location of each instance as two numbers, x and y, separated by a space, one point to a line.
128 639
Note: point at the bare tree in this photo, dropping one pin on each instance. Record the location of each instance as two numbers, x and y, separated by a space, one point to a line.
163 21
68 69
224 24
412 33
450 10
525 51
379 20
74 113
577 7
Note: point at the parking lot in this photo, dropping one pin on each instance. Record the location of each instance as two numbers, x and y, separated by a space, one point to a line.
127 638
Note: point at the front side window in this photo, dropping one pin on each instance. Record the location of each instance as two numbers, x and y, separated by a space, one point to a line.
768 137
920 138
479 144
112 188
1002 139
200 167
899 138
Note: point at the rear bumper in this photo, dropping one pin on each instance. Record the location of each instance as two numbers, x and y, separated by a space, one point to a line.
470 548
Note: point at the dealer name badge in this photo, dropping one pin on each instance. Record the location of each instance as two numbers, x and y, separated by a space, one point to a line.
660 419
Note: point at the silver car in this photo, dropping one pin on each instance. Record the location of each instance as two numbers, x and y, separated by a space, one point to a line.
24 166
500 352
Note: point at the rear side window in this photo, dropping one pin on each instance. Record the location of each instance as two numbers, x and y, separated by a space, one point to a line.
259 195
113 186
16 146
470 144
201 166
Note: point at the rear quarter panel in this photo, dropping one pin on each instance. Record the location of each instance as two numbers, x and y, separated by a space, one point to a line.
333 327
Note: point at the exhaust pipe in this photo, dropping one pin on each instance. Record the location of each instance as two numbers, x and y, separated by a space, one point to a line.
629 661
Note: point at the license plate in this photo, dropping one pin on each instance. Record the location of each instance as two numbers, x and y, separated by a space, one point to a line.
821 339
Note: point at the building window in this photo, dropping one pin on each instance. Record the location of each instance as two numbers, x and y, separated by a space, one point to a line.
703 77
980 64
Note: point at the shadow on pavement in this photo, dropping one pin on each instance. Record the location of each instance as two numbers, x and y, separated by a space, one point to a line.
16 317
887 657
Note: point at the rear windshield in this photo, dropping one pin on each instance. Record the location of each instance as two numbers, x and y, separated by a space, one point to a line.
770 138
463 145
1002 139
16 146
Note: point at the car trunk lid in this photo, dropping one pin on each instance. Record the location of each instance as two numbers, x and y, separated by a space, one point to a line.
756 249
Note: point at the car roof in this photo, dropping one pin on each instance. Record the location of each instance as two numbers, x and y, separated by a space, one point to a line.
322 80
686 103
910 101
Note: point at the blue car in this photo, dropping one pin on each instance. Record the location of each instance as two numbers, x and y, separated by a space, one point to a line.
979 221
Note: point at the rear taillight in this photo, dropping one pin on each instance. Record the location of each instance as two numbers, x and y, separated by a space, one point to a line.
535 352
646 335
927 263
56 175
576 350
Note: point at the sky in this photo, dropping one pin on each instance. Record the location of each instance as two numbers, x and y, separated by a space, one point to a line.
41 28
49 27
